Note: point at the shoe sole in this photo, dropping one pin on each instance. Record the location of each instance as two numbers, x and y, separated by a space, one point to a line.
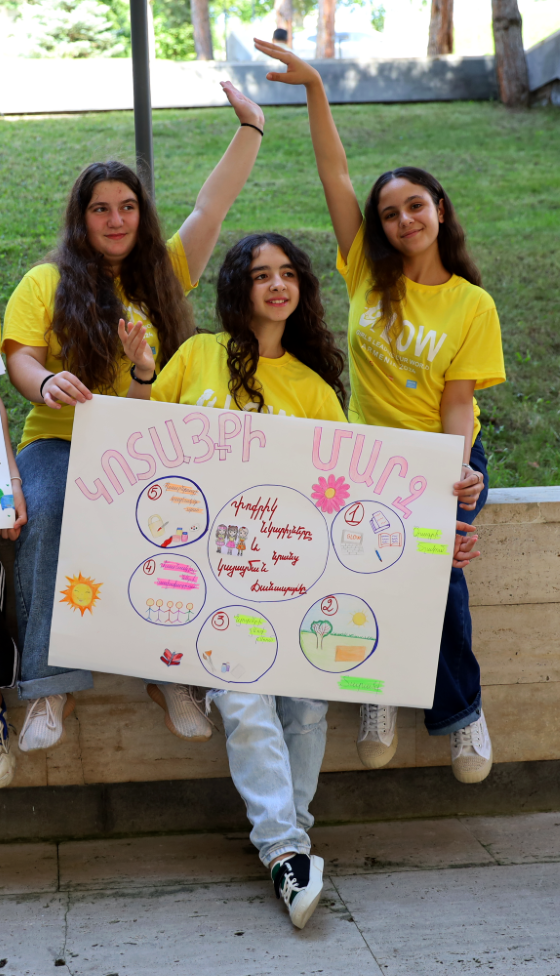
476 776
66 711
379 762
304 908
159 698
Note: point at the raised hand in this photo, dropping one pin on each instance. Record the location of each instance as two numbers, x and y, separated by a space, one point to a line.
136 348
245 109
297 72
463 549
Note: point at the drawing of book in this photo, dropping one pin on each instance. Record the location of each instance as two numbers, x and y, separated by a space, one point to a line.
389 539
378 521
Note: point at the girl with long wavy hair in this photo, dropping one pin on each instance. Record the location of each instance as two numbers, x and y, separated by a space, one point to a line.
61 341
274 355
423 335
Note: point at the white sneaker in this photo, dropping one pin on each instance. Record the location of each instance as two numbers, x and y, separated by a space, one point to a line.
299 881
7 758
184 715
43 727
378 737
471 752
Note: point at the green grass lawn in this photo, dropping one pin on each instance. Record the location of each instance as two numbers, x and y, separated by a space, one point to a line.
500 168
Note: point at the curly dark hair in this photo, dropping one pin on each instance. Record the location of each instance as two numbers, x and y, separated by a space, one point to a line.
87 309
306 336
386 263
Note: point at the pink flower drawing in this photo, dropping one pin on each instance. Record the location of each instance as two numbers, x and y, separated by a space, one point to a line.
330 495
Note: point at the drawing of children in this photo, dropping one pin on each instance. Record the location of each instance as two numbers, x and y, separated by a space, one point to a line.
243 534
149 604
231 537
220 537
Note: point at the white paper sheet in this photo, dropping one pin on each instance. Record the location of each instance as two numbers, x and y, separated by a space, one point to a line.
263 553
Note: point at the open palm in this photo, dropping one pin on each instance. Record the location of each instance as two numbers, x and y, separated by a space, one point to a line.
297 72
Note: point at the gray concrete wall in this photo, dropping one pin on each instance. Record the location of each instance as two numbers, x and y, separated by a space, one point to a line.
29 85
543 62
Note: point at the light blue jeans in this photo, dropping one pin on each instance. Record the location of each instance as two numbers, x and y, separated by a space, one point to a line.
275 748
43 466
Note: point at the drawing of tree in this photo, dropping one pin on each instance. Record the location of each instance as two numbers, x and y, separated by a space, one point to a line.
321 628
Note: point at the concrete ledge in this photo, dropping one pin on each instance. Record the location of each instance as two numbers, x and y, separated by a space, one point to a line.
523 496
129 809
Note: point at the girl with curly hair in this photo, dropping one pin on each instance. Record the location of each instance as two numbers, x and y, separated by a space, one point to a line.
61 341
274 355
423 335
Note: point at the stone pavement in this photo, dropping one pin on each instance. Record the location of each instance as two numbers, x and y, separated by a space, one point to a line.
455 897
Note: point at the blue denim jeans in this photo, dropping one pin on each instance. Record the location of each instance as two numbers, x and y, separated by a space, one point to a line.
275 748
457 694
43 467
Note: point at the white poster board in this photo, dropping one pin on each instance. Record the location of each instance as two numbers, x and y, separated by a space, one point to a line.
261 553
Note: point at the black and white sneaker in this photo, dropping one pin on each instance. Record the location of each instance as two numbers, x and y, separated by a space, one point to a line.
299 881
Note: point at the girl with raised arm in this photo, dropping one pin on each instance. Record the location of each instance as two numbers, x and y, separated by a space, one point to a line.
61 341
275 354
423 335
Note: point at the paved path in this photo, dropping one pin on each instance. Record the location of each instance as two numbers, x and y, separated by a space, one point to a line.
455 897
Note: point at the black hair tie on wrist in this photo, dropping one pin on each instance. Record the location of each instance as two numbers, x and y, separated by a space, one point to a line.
142 382
251 126
49 377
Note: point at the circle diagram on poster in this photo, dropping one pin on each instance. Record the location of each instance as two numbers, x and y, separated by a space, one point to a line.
368 537
268 543
237 644
340 640
172 512
167 590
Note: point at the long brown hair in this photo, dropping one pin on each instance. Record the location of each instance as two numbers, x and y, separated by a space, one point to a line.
87 309
306 335
386 263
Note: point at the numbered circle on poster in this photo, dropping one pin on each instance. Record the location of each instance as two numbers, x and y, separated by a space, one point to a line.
368 537
172 512
343 640
268 543
167 590
237 644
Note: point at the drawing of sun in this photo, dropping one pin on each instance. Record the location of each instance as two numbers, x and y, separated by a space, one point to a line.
359 619
81 593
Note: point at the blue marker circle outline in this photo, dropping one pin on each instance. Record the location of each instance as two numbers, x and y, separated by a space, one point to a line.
360 663
365 572
155 623
280 598
234 606
151 540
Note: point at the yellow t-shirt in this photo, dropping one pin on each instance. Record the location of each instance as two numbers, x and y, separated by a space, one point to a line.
198 375
29 318
449 332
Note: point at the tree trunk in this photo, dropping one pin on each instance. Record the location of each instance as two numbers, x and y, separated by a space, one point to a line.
511 65
325 29
284 13
202 33
441 28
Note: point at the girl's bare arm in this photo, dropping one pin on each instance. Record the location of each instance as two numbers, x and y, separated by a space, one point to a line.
200 230
331 160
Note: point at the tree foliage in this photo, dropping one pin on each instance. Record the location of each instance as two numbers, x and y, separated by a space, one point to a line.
65 29
321 628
